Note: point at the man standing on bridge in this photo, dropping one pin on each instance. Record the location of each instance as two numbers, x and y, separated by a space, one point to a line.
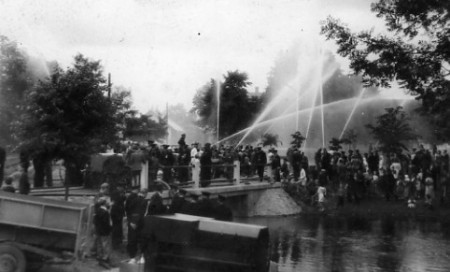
260 162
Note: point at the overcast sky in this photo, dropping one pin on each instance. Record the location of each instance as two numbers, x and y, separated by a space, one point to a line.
164 50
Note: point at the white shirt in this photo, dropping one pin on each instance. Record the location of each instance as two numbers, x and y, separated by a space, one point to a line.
321 192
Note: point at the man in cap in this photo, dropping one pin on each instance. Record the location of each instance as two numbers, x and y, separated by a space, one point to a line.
182 141
134 212
102 231
167 161
260 161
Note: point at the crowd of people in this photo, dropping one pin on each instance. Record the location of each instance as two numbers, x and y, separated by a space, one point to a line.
112 207
421 174
348 176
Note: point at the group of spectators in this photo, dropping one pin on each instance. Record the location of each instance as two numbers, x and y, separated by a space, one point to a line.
112 207
421 174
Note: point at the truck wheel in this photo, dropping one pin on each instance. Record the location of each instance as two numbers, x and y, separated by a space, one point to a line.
12 259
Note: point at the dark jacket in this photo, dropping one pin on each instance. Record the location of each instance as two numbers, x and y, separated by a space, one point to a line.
156 205
102 222
133 209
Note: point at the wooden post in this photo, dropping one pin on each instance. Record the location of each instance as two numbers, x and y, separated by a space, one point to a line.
236 172
144 175
196 173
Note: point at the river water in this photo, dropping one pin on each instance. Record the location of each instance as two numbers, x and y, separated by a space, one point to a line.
325 243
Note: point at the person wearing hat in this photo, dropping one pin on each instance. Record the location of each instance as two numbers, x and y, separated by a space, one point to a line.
275 165
182 140
205 166
260 161
167 161
135 214
184 158
102 230
222 211
154 156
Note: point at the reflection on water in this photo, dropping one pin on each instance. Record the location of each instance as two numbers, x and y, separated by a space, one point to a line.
314 243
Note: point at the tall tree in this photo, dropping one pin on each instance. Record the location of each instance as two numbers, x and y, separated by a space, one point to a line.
392 130
15 80
236 107
69 116
416 55
297 139
350 138
335 144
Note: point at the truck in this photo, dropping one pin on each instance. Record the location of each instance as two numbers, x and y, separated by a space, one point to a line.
185 243
34 228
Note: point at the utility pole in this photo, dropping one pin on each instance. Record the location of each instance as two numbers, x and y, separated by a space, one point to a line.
109 85
167 122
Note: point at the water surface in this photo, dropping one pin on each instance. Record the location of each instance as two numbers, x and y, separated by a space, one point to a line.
323 243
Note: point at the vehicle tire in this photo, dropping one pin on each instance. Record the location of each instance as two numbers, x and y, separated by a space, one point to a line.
12 259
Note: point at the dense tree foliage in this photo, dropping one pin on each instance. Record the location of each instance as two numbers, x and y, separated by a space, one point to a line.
297 139
15 79
69 116
237 108
416 55
350 138
392 130
335 144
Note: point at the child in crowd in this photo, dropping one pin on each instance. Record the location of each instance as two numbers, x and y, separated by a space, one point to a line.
102 225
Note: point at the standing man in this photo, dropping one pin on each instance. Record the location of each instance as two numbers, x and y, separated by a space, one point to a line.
134 159
260 162
182 141
117 214
102 233
184 159
167 161
276 165
2 164
134 213
205 166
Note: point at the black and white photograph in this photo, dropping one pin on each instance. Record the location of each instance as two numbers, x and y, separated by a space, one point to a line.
224 135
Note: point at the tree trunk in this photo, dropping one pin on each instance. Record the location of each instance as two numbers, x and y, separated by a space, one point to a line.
39 172
49 173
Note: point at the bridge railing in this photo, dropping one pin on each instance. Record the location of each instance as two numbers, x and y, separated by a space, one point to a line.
221 173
